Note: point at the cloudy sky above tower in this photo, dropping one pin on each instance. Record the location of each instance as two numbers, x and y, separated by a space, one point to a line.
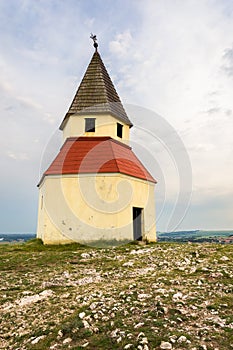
173 57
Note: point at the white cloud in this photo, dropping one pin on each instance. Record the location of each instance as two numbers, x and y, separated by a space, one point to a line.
17 155
122 43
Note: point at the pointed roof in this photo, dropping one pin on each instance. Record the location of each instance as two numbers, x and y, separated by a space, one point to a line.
94 155
97 94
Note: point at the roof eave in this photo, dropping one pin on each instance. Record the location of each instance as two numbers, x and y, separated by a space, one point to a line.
65 120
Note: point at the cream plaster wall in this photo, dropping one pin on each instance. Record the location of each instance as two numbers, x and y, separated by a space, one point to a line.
86 208
105 125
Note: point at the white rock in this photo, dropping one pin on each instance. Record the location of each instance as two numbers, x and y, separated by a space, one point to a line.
52 347
85 256
181 339
193 269
204 347
177 296
138 325
165 345
36 340
82 315
144 341
86 324
119 340
141 334
224 258
105 318
93 305
113 334
128 346
173 338
67 341
60 334
34 298
128 264
144 296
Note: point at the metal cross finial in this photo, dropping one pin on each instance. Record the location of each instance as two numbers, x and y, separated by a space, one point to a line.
94 38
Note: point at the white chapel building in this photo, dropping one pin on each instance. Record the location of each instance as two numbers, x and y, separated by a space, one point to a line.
96 189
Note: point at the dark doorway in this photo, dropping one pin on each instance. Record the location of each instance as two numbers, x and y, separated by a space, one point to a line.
137 223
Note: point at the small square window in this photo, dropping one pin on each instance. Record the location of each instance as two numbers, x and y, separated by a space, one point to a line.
89 124
119 130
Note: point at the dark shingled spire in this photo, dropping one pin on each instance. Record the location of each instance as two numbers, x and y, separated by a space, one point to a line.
97 94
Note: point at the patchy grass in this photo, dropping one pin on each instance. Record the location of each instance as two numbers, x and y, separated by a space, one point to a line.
76 297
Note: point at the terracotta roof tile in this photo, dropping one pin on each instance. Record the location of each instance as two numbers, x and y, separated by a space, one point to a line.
84 155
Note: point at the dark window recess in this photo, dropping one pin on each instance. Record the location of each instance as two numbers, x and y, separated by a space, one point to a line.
89 124
119 130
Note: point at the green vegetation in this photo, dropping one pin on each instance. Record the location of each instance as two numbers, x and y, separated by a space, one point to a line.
197 236
76 297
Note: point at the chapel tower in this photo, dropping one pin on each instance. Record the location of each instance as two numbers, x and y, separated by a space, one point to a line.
96 189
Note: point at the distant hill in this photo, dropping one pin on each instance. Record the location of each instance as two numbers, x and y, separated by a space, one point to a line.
196 236
16 237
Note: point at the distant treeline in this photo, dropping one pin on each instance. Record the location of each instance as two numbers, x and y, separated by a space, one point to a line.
198 236
16 237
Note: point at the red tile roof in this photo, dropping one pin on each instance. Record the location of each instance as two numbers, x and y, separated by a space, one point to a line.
84 155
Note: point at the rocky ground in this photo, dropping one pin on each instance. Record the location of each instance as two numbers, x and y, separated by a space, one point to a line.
160 296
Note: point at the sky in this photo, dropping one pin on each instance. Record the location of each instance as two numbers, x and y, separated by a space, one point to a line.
171 62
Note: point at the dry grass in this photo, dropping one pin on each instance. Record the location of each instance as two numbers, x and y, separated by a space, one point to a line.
74 297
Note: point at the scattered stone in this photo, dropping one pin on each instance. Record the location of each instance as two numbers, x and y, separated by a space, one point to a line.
177 296
86 324
151 294
141 334
224 258
119 339
173 338
144 341
165 345
85 256
67 341
93 305
204 347
138 325
144 296
60 333
36 340
114 333
182 339
128 264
